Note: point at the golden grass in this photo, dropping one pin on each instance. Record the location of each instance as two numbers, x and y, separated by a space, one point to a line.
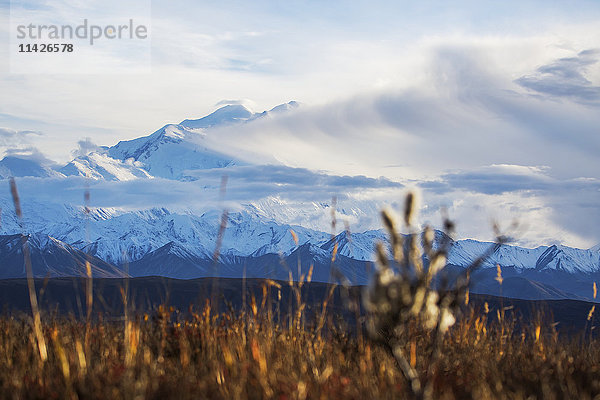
37 324
247 355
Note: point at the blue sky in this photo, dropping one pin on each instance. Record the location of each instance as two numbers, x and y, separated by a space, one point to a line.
483 105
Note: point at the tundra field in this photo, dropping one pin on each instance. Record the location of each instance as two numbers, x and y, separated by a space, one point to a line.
258 350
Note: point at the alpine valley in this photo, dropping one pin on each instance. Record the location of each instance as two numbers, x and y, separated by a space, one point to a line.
156 209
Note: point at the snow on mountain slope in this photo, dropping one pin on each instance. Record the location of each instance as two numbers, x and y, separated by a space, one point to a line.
11 166
171 260
118 236
105 231
229 114
248 234
464 252
143 148
569 259
282 108
357 214
175 149
292 105
170 152
359 246
49 257
101 166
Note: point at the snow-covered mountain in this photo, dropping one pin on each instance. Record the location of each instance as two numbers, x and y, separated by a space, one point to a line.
543 258
229 114
160 242
359 246
99 165
13 166
174 150
118 237
171 152
260 239
49 257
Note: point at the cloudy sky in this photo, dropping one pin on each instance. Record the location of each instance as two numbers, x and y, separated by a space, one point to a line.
490 108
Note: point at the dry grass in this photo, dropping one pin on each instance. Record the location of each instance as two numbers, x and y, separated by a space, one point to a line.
243 355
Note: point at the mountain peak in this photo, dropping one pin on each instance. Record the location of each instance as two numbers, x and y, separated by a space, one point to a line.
228 114
98 165
285 107
11 166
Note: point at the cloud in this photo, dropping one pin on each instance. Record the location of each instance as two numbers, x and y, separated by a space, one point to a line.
286 195
248 183
17 143
551 210
13 137
499 179
320 53
30 153
245 184
467 117
493 179
243 102
438 137
84 147
565 77
542 218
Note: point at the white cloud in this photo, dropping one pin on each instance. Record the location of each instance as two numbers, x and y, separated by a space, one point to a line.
549 210
12 137
471 119
565 77
84 147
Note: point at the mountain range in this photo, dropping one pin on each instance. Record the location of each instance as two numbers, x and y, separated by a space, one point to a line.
260 238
